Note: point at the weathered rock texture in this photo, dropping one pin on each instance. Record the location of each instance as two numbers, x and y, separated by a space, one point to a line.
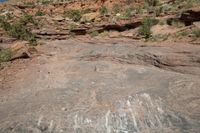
105 87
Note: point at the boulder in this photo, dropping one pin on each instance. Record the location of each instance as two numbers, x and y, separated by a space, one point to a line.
19 50
17 46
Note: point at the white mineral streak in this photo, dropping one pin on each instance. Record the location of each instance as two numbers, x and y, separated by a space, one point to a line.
131 115
39 121
108 130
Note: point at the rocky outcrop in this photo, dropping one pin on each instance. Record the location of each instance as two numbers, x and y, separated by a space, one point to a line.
82 29
109 87
19 51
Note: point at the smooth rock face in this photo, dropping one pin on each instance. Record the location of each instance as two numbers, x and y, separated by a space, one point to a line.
102 88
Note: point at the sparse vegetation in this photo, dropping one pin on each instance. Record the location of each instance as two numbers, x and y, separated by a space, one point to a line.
94 33
158 10
30 4
45 2
5 55
153 6
162 22
128 12
73 14
152 2
178 24
139 10
117 13
39 13
19 29
196 33
85 11
116 8
159 37
184 33
72 26
145 28
103 10
104 34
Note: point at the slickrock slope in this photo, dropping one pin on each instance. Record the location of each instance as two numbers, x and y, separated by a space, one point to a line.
103 86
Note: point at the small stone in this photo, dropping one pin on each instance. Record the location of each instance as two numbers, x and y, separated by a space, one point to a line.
68 19
118 14
64 109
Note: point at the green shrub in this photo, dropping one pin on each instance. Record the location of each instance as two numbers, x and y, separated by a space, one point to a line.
75 15
103 10
159 37
158 10
45 2
19 29
152 2
128 13
162 22
39 13
178 23
104 34
139 10
85 11
72 26
184 33
145 28
196 32
94 33
3 24
5 55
